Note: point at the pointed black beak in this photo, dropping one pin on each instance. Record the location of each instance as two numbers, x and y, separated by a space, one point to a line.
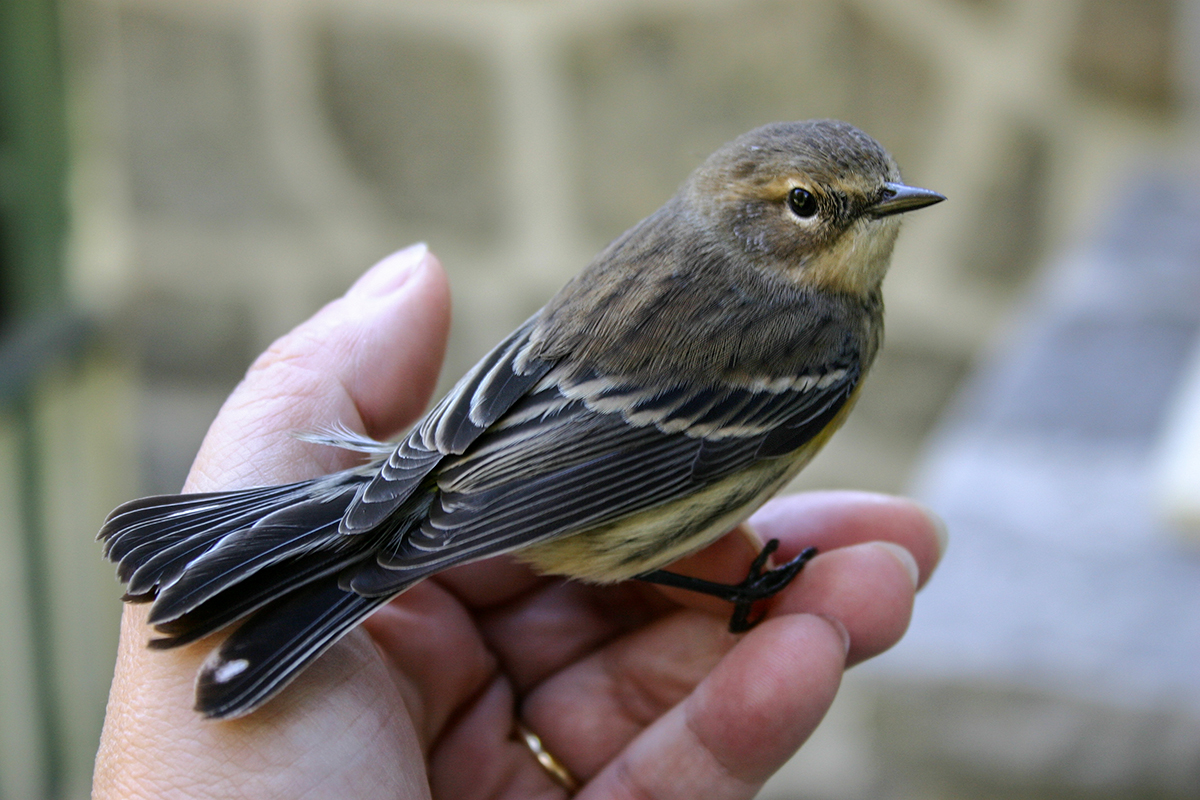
898 198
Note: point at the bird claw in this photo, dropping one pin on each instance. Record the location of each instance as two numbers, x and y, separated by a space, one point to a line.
757 585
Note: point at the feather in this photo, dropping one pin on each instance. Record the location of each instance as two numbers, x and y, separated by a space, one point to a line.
267 652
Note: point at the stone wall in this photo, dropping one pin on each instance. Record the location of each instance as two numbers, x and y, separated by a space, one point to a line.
240 163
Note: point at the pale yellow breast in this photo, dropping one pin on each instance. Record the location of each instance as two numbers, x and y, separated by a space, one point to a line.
656 537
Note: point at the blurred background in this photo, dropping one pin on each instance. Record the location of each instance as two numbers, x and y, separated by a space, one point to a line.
182 182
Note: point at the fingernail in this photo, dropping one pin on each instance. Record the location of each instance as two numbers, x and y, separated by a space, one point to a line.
389 274
905 558
939 527
841 629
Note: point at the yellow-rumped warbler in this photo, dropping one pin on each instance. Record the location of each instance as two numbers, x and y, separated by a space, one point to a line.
659 398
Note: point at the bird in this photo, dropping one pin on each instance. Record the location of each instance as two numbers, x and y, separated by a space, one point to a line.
660 397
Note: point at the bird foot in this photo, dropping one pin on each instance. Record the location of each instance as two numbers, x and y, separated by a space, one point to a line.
757 585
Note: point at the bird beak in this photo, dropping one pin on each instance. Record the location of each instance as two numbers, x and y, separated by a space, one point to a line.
898 198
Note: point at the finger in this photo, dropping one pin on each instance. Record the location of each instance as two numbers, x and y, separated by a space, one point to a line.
367 360
545 631
868 589
491 582
538 625
543 623
479 757
437 658
829 520
391 372
589 711
743 721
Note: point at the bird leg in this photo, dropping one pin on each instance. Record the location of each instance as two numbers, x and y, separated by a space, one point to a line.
758 585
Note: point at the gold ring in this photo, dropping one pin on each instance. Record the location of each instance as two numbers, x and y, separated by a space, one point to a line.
552 766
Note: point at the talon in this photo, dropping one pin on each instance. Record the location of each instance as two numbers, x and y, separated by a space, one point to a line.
760 560
759 585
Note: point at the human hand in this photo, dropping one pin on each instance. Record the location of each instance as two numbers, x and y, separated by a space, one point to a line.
637 690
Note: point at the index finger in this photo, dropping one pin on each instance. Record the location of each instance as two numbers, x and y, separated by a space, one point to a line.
837 519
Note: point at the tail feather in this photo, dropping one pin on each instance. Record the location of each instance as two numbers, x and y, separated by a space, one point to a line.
243 599
198 567
157 541
149 523
232 560
167 563
267 652
206 560
146 541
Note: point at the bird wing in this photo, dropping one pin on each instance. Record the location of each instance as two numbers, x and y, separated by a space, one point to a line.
577 453
471 407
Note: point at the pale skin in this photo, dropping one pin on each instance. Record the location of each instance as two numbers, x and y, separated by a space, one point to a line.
641 692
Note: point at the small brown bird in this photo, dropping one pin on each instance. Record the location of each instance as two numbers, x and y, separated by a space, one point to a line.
660 397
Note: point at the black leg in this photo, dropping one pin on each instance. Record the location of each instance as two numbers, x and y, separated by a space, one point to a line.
758 585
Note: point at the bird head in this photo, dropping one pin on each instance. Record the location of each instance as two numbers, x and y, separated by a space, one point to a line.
817 201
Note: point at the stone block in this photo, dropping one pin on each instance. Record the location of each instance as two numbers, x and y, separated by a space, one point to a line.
195 142
1008 228
416 119
189 339
653 92
1089 379
1122 50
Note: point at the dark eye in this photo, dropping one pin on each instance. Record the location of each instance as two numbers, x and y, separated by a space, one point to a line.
802 203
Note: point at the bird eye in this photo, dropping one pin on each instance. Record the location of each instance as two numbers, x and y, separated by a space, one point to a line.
802 203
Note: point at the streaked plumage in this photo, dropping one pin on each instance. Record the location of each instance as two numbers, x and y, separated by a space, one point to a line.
670 388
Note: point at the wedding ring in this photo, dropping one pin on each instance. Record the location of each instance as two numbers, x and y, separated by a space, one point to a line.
552 766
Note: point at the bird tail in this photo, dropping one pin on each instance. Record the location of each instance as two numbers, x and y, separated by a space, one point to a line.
183 552
274 645
272 554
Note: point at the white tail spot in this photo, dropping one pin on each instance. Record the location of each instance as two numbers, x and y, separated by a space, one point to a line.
230 670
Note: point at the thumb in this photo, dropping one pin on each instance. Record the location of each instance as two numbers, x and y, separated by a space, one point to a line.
368 360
